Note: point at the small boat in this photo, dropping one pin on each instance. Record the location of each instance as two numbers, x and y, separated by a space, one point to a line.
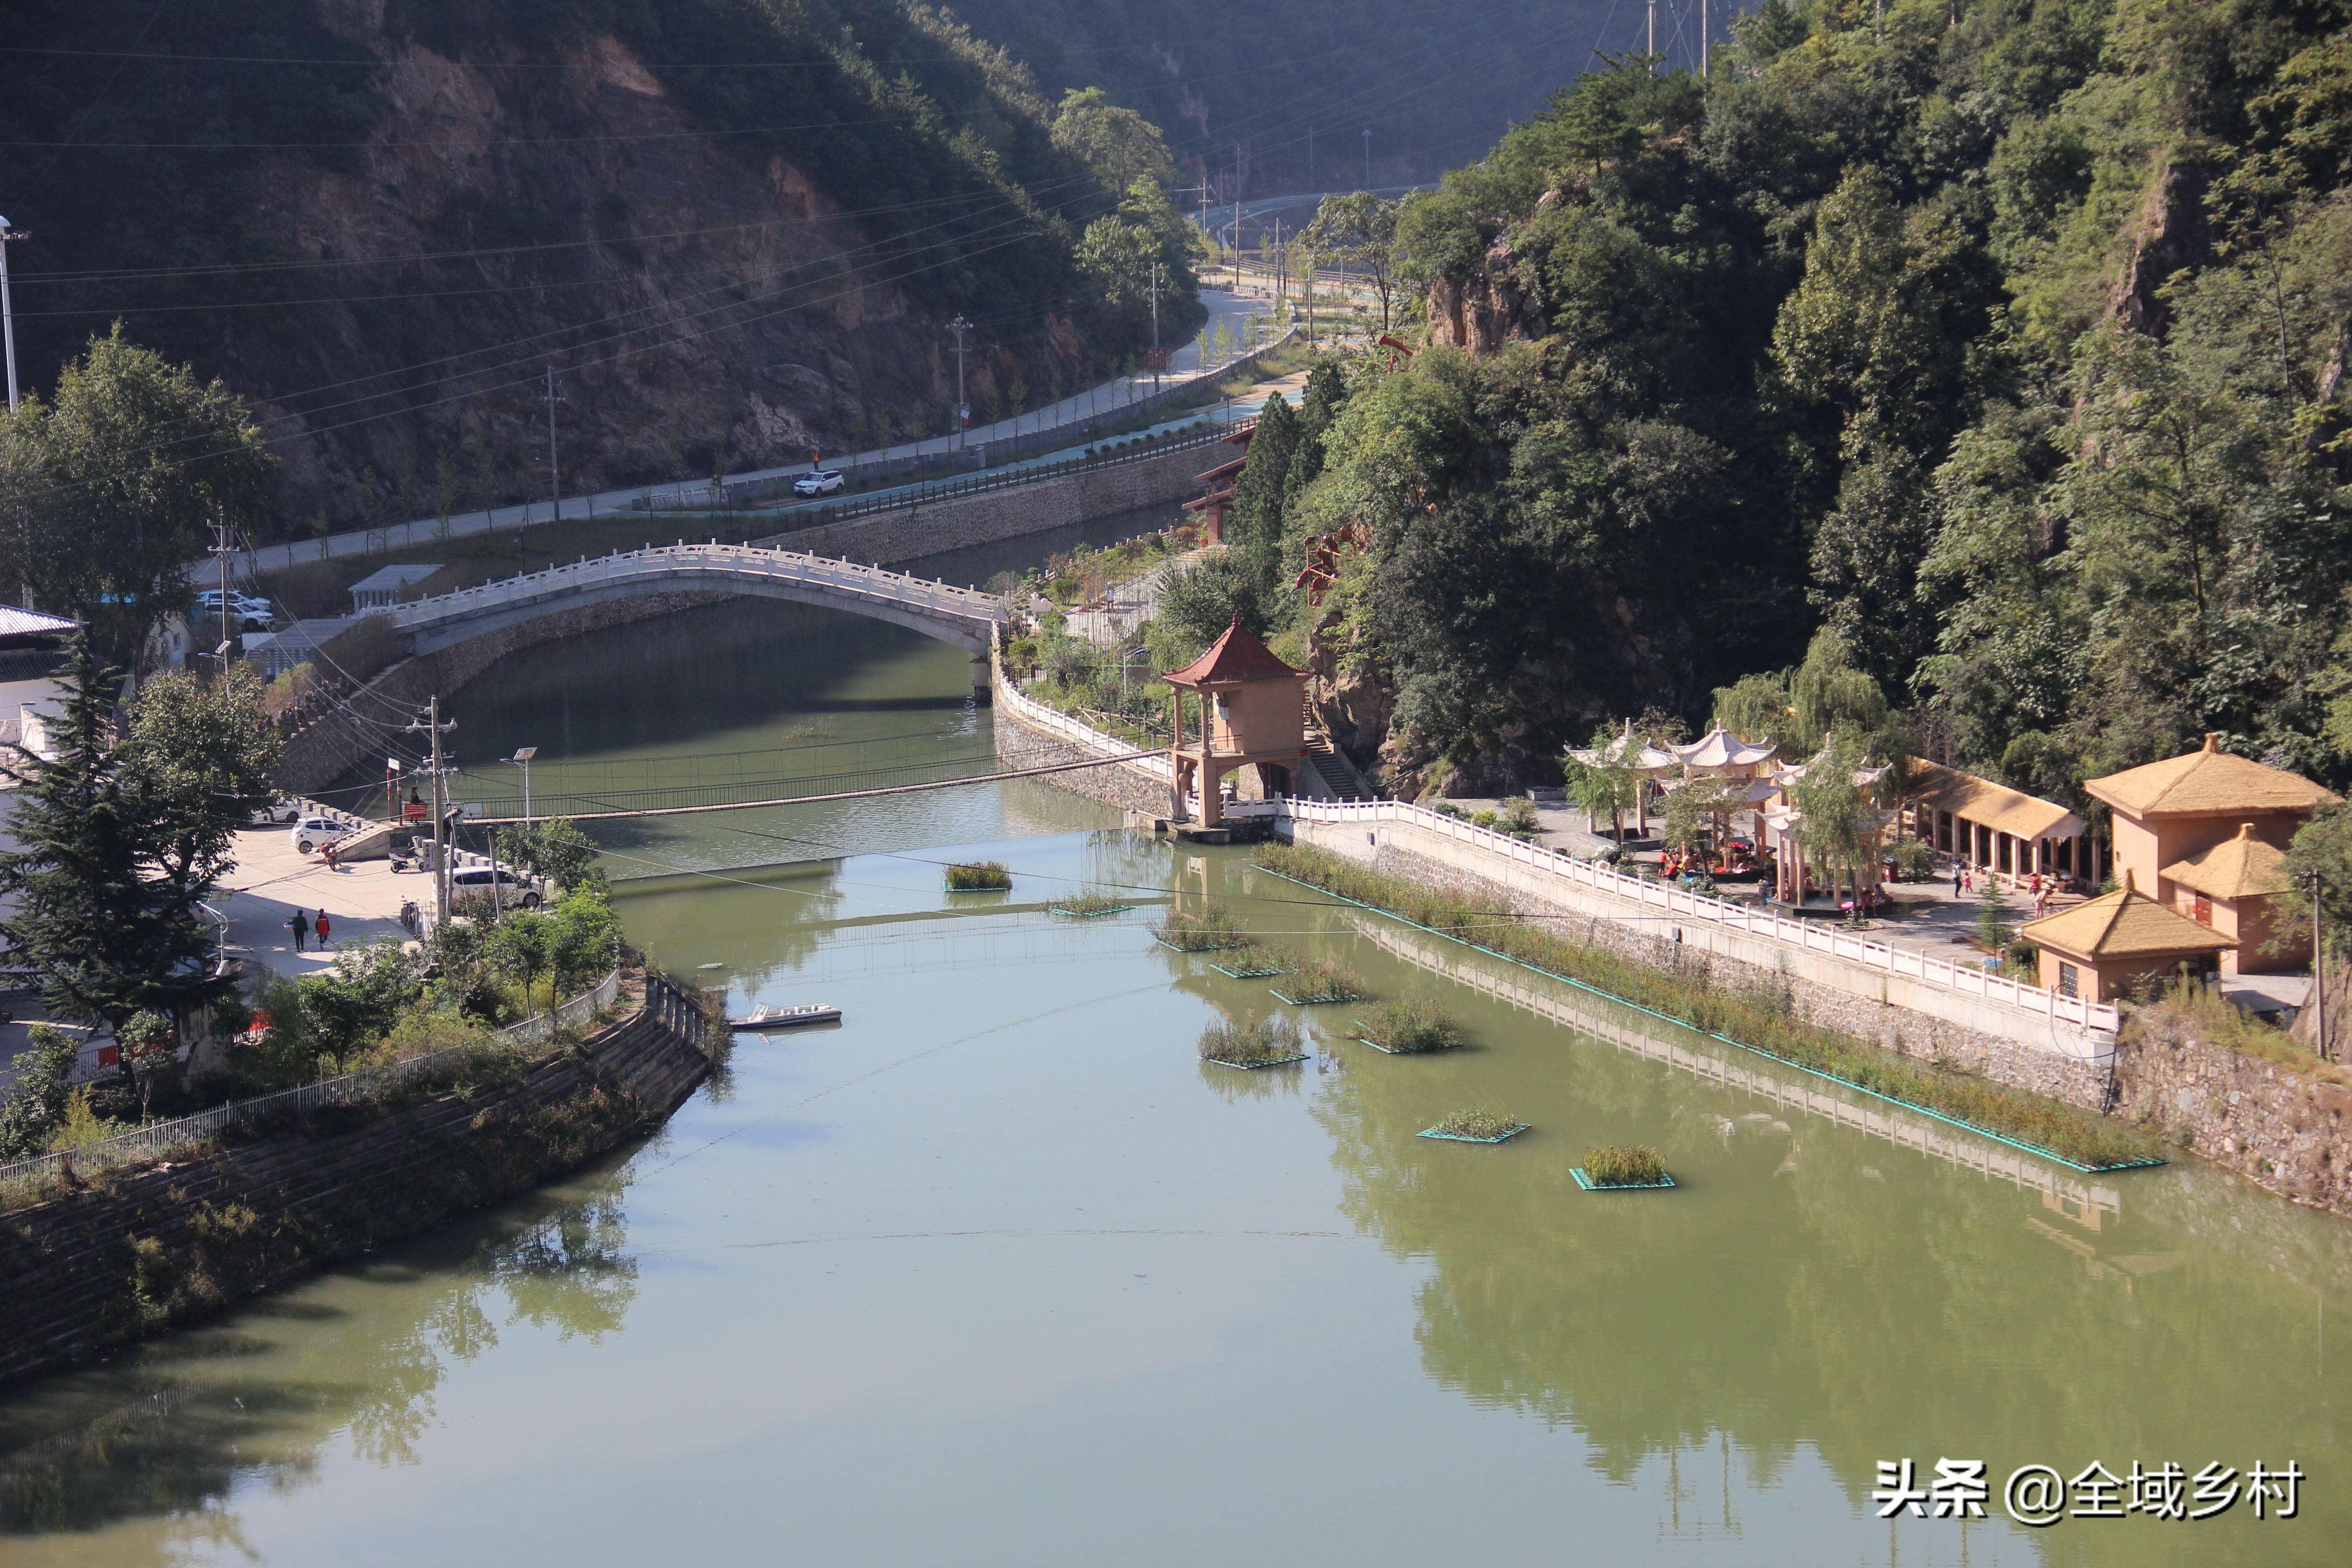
786 1018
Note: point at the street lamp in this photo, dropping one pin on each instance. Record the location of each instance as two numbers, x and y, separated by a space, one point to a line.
521 759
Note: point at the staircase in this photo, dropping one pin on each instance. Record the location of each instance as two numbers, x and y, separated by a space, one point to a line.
1339 775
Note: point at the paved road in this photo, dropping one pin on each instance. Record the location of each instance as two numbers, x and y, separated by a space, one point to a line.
1223 305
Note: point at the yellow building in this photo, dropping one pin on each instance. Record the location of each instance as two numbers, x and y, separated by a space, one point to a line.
2175 822
2098 948
2234 888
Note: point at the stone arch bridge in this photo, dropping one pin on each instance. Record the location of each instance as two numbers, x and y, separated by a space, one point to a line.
963 616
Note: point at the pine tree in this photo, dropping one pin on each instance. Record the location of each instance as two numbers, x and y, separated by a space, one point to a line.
104 933
1256 522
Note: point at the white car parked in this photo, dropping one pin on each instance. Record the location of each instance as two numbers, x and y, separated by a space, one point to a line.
309 832
526 892
818 482
279 810
251 614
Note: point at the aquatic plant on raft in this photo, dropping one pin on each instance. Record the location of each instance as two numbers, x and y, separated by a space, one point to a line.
1321 981
1255 1042
1623 1165
979 877
1087 905
1476 1125
1200 930
1406 1025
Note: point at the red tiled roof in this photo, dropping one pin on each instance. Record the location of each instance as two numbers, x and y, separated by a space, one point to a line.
1235 656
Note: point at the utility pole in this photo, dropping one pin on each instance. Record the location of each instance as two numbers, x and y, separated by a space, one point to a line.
554 475
7 312
1238 217
1651 48
221 548
521 759
1702 39
1311 157
435 727
960 326
2318 975
1368 157
1155 324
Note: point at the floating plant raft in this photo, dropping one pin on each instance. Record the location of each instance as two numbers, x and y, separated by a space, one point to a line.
1475 1127
1589 1185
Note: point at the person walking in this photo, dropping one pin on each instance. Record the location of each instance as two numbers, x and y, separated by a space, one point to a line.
300 924
1958 879
322 930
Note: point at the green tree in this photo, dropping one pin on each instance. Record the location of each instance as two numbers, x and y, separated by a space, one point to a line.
94 917
350 1007
118 480
522 947
556 849
1118 144
35 1102
1359 232
197 761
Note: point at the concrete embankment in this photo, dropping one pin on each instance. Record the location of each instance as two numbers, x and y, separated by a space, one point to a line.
138 1251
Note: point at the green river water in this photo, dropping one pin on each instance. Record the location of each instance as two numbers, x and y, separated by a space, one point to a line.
997 1271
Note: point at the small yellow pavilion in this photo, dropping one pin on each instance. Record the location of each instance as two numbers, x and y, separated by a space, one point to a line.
2234 888
1253 712
2096 949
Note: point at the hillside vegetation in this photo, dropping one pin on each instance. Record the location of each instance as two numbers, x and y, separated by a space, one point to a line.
2004 340
736 228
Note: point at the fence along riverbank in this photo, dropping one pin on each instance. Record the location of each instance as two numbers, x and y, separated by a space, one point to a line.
145 1249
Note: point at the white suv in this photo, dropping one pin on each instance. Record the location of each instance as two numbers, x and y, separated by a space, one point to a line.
479 879
251 614
818 482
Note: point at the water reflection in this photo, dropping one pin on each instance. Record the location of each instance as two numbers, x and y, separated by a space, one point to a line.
1928 1294
362 1355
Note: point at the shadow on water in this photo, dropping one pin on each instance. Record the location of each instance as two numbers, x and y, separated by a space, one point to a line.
369 1345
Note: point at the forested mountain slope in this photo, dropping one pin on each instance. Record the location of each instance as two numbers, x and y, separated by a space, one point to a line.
2005 338
735 227
1266 86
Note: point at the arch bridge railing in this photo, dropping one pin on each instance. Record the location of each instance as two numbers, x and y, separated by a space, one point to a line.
665 562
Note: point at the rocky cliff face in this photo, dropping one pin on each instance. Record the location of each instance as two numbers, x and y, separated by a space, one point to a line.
384 221
1485 308
698 311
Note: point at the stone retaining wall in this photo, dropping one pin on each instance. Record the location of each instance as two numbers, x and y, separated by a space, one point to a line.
993 516
133 1253
351 735
2286 1130
1899 1030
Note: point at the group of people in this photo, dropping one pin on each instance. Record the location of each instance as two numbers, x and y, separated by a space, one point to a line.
302 925
1964 883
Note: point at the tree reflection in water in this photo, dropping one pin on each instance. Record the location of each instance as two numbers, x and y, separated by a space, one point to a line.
1817 1288
170 1429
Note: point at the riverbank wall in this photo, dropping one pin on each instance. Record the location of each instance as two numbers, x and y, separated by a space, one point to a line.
2287 1128
1909 1015
1029 734
351 736
138 1251
991 517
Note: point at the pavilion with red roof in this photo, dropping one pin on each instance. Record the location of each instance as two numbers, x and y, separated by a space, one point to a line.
1253 708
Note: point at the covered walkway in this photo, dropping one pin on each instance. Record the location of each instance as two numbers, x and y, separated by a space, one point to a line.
1996 830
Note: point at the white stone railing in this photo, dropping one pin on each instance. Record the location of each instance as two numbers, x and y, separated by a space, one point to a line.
729 560
1036 715
1699 910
